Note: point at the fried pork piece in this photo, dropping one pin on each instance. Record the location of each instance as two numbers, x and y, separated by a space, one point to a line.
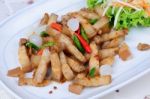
94 61
124 52
79 17
88 14
104 53
71 48
113 43
90 31
66 70
56 66
52 19
75 88
81 75
66 31
65 18
22 41
75 65
93 82
105 29
14 72
87 56
97 39
42 67
113 35
35 60
108 61
98 10
45 19
143 47
31 82
101 23
63 39
24 59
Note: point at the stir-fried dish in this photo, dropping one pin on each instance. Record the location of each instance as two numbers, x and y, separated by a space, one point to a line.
80 48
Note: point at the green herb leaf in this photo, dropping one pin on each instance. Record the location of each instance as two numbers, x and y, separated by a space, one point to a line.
44 34
32 45
93 3
128 18
93 21
84 35
77 43
92 72
48 44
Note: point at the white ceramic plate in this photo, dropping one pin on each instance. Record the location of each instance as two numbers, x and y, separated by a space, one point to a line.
19 26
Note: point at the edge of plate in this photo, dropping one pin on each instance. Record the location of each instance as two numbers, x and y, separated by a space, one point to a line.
4 22
96 96
21 11
121 84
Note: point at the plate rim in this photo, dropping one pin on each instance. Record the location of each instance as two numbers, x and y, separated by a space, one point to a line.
22 11
122 84
7 89
96 96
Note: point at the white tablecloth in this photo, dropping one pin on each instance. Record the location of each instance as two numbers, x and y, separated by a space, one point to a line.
136 90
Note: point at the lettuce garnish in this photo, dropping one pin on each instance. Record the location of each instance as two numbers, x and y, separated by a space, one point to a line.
128 18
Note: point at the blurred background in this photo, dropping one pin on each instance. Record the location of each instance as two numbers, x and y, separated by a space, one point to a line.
139 89
8 7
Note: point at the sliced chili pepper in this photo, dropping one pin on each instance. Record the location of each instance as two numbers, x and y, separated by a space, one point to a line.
57 26
40 52
84 35
77 43
84 43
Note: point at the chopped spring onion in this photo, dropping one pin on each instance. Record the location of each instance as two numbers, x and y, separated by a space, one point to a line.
48 44
117 16
92 72
44 34
32 45
84 35
77 43
93 21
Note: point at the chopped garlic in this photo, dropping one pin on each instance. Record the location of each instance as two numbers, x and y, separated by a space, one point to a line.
73 24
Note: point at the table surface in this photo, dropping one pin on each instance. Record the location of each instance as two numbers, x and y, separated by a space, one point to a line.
139 89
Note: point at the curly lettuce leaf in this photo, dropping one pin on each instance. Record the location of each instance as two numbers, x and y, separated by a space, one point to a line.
93 3
128 18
